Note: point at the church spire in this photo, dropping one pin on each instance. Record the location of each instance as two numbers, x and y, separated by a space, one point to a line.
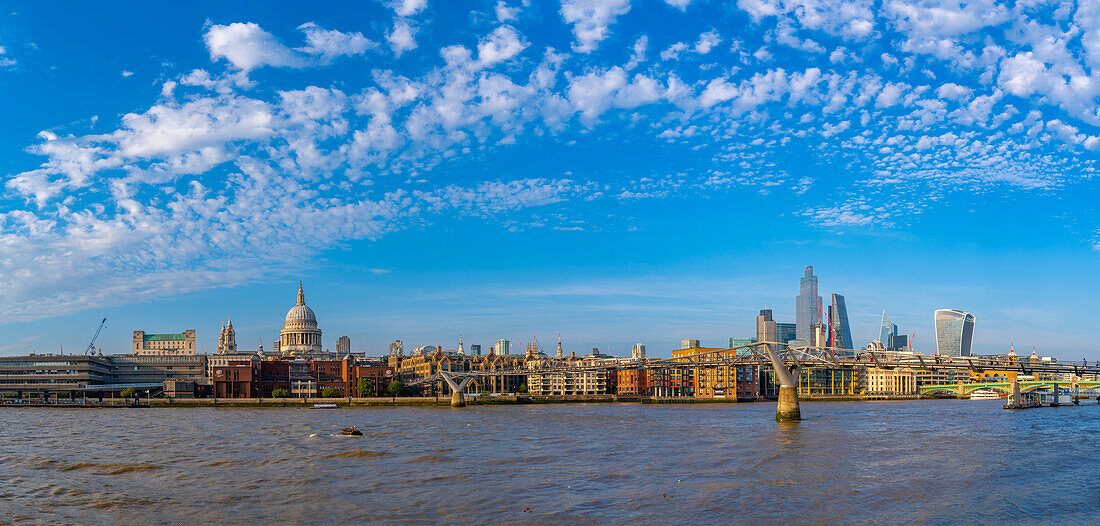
301 294
559 346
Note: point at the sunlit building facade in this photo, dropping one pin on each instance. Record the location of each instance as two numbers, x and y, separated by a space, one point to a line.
954 332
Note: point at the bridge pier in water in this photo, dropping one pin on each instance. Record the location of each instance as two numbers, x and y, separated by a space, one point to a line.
787 409
457 398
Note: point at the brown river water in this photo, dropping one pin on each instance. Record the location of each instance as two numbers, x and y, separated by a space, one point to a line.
925 462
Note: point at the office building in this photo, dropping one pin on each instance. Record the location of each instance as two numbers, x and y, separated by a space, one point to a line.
475 349
769 330
785 332
887 332
637 353
807 307
954 332
689 344
840 334
343 346
502 347
181 344
51 372
143 369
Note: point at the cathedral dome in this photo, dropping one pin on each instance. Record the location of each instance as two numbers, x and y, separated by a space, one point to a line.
300 334
300 314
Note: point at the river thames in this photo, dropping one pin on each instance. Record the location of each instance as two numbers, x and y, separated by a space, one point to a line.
927 462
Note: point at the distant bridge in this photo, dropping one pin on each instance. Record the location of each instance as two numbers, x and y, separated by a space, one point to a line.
787 361
1006 387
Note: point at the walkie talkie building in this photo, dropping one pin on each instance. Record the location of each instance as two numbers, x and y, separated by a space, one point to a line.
954 332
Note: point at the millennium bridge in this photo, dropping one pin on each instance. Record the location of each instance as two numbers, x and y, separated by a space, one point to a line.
788 360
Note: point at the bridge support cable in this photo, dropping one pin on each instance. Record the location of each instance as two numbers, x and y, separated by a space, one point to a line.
457 386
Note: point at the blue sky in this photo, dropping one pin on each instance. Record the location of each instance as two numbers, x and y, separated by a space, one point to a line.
611 170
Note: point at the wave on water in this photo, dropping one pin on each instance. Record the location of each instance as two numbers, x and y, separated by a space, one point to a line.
358 453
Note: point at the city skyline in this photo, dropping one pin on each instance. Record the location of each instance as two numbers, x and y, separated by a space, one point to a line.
616 171
302 313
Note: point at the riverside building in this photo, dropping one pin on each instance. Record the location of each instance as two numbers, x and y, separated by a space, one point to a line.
173 344
51 372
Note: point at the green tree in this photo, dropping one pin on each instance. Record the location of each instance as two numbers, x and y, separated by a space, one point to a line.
363 388
395 388
329 393
522 389
129 392
280 393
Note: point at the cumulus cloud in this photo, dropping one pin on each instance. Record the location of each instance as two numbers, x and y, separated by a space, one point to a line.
402 37
502 44
408 7
591 20
329 44
679 4
220 173
246 46
504 13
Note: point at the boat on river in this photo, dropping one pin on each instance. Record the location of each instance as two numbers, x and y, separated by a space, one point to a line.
325 406
985 394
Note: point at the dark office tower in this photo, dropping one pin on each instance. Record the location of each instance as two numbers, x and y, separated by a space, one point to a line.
807 307
838 322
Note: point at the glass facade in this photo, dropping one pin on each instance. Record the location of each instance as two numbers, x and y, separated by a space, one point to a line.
954 332
887 332
838 321
785 332
807 305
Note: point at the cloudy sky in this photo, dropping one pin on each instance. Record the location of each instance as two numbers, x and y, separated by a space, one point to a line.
611 170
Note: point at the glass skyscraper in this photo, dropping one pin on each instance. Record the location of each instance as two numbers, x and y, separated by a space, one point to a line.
785 332
954 332
838 321
807 306
887 332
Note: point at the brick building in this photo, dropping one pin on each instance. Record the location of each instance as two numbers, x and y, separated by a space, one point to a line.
632 382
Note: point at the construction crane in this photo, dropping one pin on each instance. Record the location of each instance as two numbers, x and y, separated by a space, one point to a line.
91 345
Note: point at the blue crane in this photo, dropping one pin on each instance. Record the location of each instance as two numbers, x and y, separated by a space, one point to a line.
91 345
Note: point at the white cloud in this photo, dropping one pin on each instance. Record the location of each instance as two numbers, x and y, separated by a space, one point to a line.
402 37
707 41
126 73
408 7
246 47
953 91
679 4
590 20
638 56
502 44
330 44
848 19
504 13
673 51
